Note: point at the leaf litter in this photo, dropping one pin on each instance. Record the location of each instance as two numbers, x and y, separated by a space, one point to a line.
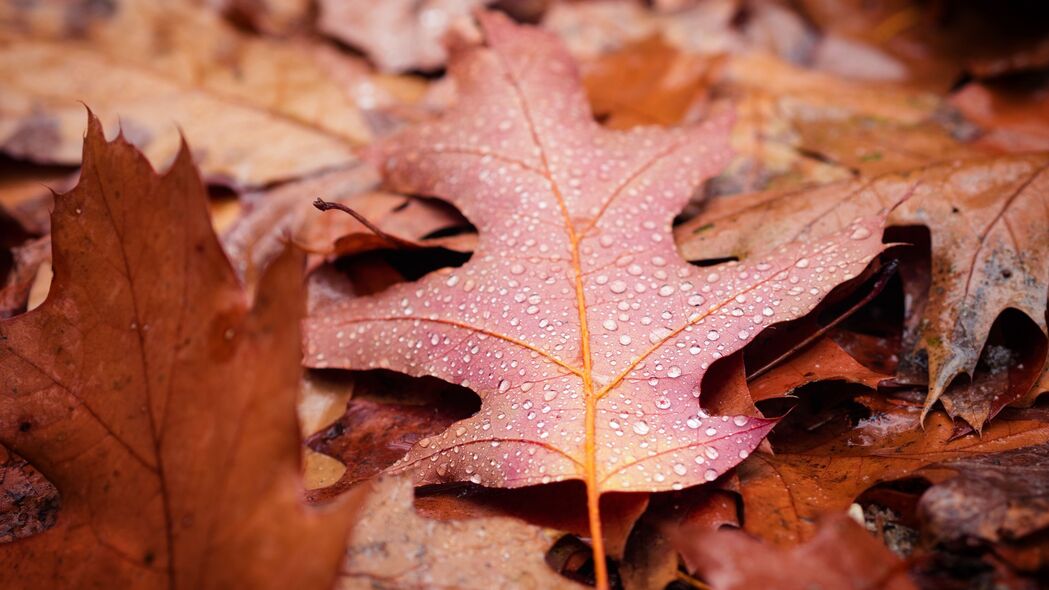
886 389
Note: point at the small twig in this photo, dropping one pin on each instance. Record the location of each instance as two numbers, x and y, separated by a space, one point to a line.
393 240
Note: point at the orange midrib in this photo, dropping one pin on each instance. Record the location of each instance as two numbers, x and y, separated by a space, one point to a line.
590 445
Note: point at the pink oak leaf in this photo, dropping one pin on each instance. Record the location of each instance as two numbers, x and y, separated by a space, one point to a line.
576 321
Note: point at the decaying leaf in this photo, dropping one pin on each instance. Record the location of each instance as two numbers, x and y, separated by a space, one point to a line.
990 251
154 68
785 493
992 497
581 328
371 436
393 547
29 503
840 556
157 400
29 261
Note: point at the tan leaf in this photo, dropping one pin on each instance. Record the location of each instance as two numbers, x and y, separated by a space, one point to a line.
229 93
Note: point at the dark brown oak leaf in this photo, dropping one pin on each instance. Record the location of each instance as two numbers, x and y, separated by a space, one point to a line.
576 321
158 399
990 497
990 248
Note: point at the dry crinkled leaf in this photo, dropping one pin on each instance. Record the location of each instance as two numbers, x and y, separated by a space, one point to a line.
990 251
398 35
157 400
393 547
783 494
371 436
840 556
28 502
227 92
28 260
992 497
576 321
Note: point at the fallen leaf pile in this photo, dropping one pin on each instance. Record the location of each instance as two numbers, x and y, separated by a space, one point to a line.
631 294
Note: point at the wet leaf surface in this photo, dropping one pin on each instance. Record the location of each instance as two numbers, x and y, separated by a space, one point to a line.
586 356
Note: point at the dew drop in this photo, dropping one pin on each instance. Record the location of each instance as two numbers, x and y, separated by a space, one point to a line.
680 469
710 475
860 233
641 427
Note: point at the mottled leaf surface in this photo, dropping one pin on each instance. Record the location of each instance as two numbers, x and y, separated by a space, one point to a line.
990 249
394 547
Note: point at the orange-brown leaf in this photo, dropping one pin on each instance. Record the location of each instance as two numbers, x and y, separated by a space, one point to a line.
786 492
157 399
